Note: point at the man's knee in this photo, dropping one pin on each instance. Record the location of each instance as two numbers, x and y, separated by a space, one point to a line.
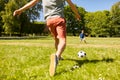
62 41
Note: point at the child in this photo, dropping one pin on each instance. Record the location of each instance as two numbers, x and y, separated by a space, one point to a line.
82 36
55 21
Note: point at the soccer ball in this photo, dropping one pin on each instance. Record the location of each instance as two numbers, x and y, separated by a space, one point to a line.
81 54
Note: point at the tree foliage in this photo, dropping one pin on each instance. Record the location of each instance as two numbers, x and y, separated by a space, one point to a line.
99 23
2 5
15 24
115 13
74 26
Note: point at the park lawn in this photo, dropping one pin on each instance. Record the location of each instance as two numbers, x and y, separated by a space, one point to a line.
28 59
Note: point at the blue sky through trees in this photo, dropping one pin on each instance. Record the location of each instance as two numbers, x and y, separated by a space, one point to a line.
95 5
91 5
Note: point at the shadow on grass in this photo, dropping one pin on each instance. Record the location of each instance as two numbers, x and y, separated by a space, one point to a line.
79 63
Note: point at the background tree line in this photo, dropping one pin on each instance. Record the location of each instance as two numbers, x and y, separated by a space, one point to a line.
99 23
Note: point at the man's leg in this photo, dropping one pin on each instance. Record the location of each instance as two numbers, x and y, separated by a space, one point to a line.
58 30
54 58
56 43
61 47
61 35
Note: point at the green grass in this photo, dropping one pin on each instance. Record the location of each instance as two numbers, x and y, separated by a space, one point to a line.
28 59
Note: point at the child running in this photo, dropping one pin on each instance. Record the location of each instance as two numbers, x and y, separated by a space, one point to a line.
55 21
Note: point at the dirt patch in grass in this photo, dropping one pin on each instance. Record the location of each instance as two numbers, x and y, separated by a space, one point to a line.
94 45
27 44
52 45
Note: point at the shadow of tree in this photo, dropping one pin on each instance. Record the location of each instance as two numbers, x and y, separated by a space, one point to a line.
79 63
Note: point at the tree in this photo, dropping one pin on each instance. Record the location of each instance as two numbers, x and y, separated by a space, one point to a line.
74 26
108 29
2 5
7 17
16 24
115 23
97 23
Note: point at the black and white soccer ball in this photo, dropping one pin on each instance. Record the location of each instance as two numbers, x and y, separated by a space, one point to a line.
81 54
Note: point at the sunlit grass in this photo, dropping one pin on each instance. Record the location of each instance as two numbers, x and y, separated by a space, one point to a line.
28 59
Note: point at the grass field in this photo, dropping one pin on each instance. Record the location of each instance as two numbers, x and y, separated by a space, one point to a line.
28 59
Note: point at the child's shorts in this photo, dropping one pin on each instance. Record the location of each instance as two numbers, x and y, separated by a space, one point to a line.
57 27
